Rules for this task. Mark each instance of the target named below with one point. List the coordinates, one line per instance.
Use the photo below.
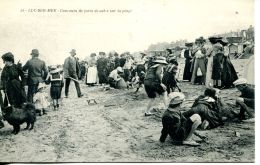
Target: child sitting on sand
(176, 125)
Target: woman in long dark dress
(217, 65)
(12, 82)
(228, 74)
(187, 69)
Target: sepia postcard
(127, 81)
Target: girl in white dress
(92, 70)
(40, 99)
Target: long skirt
(169, 81)
(15, 93)
(187, 70)
(209, 80)
(103, 76)
(228, 75)
(55, 92)
(92, 75)
(199, 63)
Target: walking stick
(8, 103)
(74, 79)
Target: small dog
(17, 116)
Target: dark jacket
(37, 71)
(122, 62)
(174, 124)
(154, 74)
(169, 79)
(249, 96)
(207, 111)
(117, 62)
(217, 66)
(11, 82)
(71, 68)
(102, 64)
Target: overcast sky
(146, 22)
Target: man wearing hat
(71, 72)
(153, 83)
(37, 73)
(176, 125)
(116, 60)
(247, 98)
(102, 64)
(111, 62)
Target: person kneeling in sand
(114, 77)
(247, 98)
(175, 124)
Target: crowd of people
(207, 65)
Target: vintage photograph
(127, 81)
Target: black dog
(17, 116)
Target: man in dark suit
(102, 64)
(37, 73)
(71, 72)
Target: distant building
(233, 40)
(158, 52)
(233, 49)
(250, 33)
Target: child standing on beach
(55, 78)
(40, 99)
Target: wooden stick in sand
(74, 79)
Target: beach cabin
(233, 49)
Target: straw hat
(176, 98)
(189, 44)
(240, 81)
(221, 40)
(57, 70)
(160, 60)
(119, 69)
(200, 40)
(218, 46)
